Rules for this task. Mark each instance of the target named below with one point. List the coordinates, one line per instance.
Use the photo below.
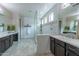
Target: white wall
(51, 28)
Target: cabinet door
(2, 47)
(15, 37)
(7, 42)
(10, 40)
(59, 50)
(71, 50)
(70, 53)
(52, 45)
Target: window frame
(1, 25)
(51, 17)
(48, 19)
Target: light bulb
(65, 5)
(1, 10)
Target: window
(51, 17)
(1, 11)
(1, 27)
(44, 20)
(73, 25)
(48, 18)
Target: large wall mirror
(2, 22)
(69, 26)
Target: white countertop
(74, 42)
(4, 34)
(42, 34)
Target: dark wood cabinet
(71, 53)
(71, 50)
(57, 47)
(11, 40)
(52, 47)
(59, 50)
(5, 43)
(2, 46)
(61, 43)
(15, 37)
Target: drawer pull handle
(72, 49)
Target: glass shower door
(27, 30)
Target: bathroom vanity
(6, 41)
(63, 46)
(58, 45)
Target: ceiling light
(65, 5)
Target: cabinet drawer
(70, 53)
(52, 38)
(60, 42)
(73, 49)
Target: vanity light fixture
(65, 5)
(1, 11)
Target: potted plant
(13, 28)
(66, 28)
(8, 28)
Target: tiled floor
(25, 47)
(21, 48)
(45, 54)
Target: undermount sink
(69, 35)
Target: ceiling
(26, 9)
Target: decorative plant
(8, 28)
(66, 28)
(11, 28)
(74, 27)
